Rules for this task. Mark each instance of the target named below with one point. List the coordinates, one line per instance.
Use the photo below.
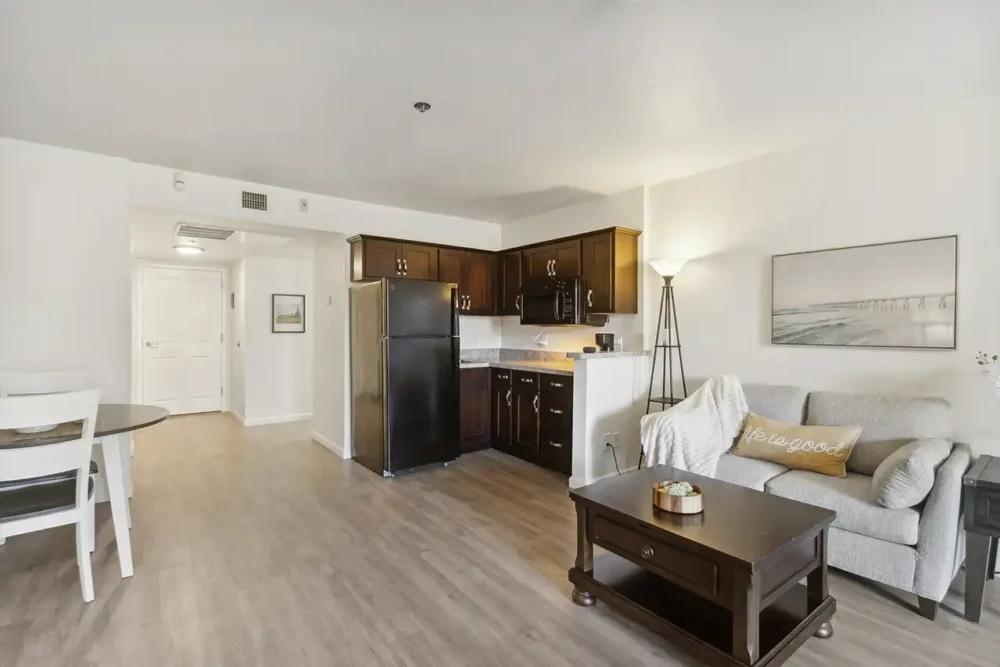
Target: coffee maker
(605, 342)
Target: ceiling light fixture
(422, 107)
(189, 249)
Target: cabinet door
(537, 262)
(501, 400)
(525, 427)
(567, 259)
(479, 282)
(382, 258)
(450, 266)
(508, 283)
(474, 420)
(598, 269)
(555, 441)
(419, 261)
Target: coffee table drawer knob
(646, 552)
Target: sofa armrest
(939, 547)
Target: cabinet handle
(405, 267)
(508, 398)
(534, 403)
(399, 267)
(556, 384)
(553, 267)
(557, 445)
(468, 302)
(590, 297)
(555, 412)
(646, 552)
(517, 303)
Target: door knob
(646, 552)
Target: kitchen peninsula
(556, 409)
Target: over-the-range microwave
(557, 302)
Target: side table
(982, 530)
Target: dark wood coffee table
(723, 584)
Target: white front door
(182, 339)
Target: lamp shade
(667, 267)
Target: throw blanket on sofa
(695, 433)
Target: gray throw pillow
(906, 477)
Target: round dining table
(113, 420)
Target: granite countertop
(606, 355)
(553, 367)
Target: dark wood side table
(982, 530)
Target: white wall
(625, 209)
(278, 367)
(331, 379)
(930, 174)
(65, 268)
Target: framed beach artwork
(288, 313)
(900, 294)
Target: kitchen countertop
(553, 367)
(606, 355)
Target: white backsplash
(569, 339)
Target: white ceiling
(536, 103)
(154, 237)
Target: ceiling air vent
(187, 230)
(255, 201)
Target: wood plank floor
(259, 547)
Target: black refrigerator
(404, 373)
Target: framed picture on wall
(901, 294)
(288, 313)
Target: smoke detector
(422, 107)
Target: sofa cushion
(822, 449)
(783, 403)
(851, 498)
(887, 422)
(751, 473)
(906, 477)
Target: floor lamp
(666, 323)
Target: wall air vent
(188, 230)
(254, 201)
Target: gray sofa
(917, 549)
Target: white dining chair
(46, 381)
(39, 506)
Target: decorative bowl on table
(678, 497)
(36, 429)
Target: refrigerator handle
(454, 312)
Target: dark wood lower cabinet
(501, 403)
(474, 420)
(531, 417)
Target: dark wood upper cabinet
(509, 283)
(479, 282)
(567, 259)
(554, 260)
(419, 261)
(474, 408)
(382, 259)
(450, 265)
(490, 282)
(610, 266)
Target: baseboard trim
(576, 482)
(329, 444)
(280, 419)
(238, 417)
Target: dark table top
(742, 523)
(984, 473)
(112, 418)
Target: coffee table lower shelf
(697, 625)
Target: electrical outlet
(615, 439)
(303, 205)
(607, 440)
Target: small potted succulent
(678, 497)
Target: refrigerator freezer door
(422, 401)
(420, 308)
(368, 417)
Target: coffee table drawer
(686, 568)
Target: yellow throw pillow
(822, 449)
